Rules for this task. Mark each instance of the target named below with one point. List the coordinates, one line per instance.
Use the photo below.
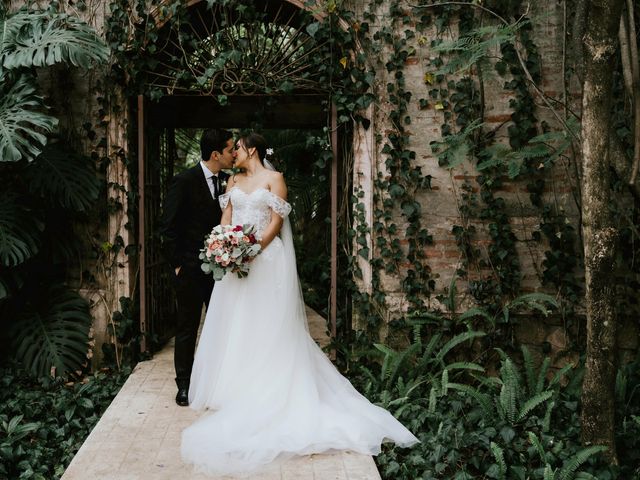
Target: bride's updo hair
(257, 141)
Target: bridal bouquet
(229, 248)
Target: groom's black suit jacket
(189, 214)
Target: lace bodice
(254, 208)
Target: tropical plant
(50, 332)
(43, 423)
(472, 425)
(30, 39)
(47, 187)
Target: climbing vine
(361, 60)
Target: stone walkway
(138, 437)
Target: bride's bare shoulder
(277, 184)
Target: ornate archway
(230, 64)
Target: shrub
(43, 423)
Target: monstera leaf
(19, 231)
(39, 39)
(22, 121)
(65, 178)
(11, 279)
(50, 333)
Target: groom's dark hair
(213, 140)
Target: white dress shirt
(208, 175)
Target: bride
(274, 392)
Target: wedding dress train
(275, 392)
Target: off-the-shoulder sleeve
(280, 206)
(224, 200)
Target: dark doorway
(297, 127)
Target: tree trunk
(599, 231)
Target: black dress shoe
(182, 397)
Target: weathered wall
(76, 98)
(93, 120)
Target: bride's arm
(226, 213)
(279, 188)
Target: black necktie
(216, 191)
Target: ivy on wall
(395, 35)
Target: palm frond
(22, 122)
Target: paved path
(138, 437)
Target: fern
(538, 446)
(549, 474)
(533, 402)
(529, 370)
(508, 398)
(445, 381)
(536, 301)
(484, 400)
(546, 421)
(389, 353)
(577, 460)
(559, 374)
(476, 46)
(432, 400)
(542, 375)
(427, 354)
(454, 149)
(498, 454)
(399, 359)
(455, 341)
(465, 366)
(477, 312)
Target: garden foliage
(519, 423)
(43, 423)
(47, 189)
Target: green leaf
(572, 464)
(33, 39)
(532, 403)
(19, 231)
(52, 331)
(498, 454)
(64, 178)
(458, 339)
(22, 122)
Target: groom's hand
(178, 270)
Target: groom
(191, 210)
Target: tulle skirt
(274, 391)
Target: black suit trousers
(193, 289)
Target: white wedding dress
(275, 392)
